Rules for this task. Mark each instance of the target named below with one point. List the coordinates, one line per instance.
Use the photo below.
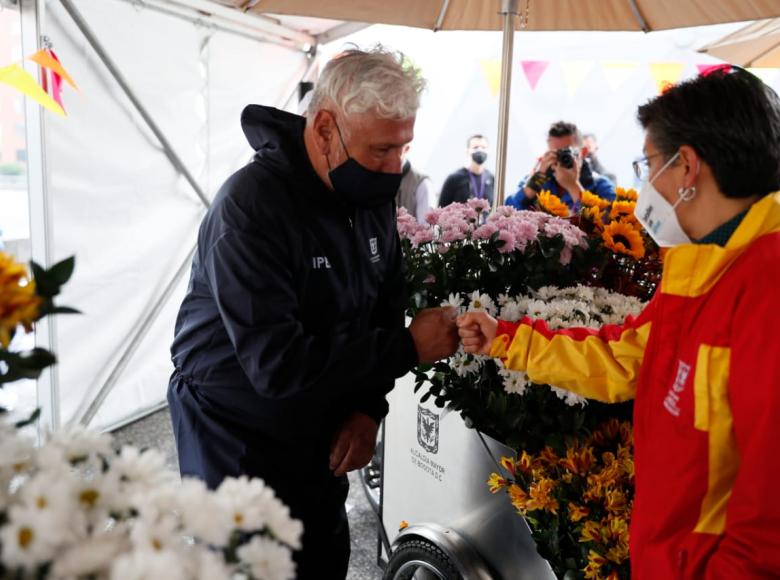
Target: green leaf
(29, 420)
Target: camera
(565, 158)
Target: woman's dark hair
(731, 119)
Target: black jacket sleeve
(249, 274)
(389, 313)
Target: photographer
(563, 170)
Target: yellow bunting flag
(491, 68)
(618, 72)
(16, 77)
(666, 74)
(574, 73)
(46, 60)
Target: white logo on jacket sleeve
(374, 247)
(320, 262)
(672, 399)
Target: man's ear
(323, 129)
(692, 163)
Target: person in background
(591, 145)
(414, 194)
(702, 361)
(562, 171)
(473, 180)
(292, 329)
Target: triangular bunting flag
(665, 74)
(574, 73)
(16, 77)
(534, 69)
(617, 72)
(491, 68)
(47, 59)
(765, 74)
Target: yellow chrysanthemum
(496, 483)
(618, 554)
(622, 238)
(552, 204)
(577, 512)
(594, 201)
(616, 501)
(626, 194)
(18, 302)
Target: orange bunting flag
(47, 59)
(19, 79)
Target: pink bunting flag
(534, 69)
(705, 69)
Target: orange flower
(509, 464)
(622, 238)
(496, 483)
(591, 200)
(595, 215)
(403, 525)
(552, 204)
(591, 532)
(576, 512)
(518, 497)
(616, 501)
(627, 194)
(541, 498)
(18, 301)
(548, 457)
(578, 461)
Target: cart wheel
(420, 559)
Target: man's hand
(435, 334)
(569, 178)
(354, 444)
(546, 161)
(477, 331)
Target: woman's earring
(687, 193)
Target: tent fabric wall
(118, 204)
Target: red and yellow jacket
(703, 363)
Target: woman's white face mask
(658, 216)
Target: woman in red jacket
(703, 360)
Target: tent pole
(120, 79)
(41, 243)
(508, 11)
(135, 340)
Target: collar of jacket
(692, 270)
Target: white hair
(377, 81)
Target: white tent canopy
(127, 207)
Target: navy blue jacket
(294, 314)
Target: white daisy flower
(514, 381)
(150, 565)
(28, 540)
(157, 535)
(210, 566)
(16, 453)
(268, 560)
(91, 556)
(511, 311)
(482, 302)
(140, 472)
(568, 397)
(246, 500)
(51, 495)
(202, 515)
(284, 528)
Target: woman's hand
(477, 331)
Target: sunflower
(18, 300)
(591, 200)
(622, 209)
(623, 238)
(626, 194)
(595, 215)
(552, 204)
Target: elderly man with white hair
(292, 329)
